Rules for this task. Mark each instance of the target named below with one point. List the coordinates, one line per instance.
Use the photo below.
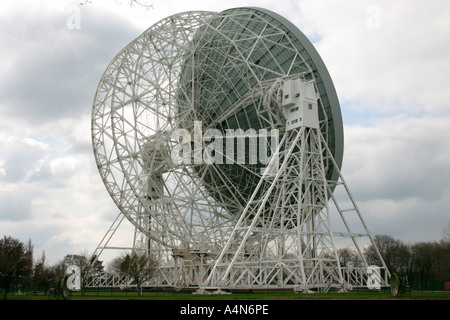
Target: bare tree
(139, 267)
(394, 252)
(43, 276)
(348, 257)
(446, 233)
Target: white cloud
(398, 171)
(64, 167)
(398, 158)
(401, 66)
(394, 93)
(391, 82)
(52, 70)
(21, 157)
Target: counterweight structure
(219, 137)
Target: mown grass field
(281, 295)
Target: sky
(389, 61)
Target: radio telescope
(219, 137)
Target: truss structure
(229, 224)
(284, 237)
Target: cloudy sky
(389, 61)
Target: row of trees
(20, 271)
(16, 263)
(426, 264)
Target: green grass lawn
(277, 295)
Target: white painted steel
(204, 229)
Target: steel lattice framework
(224, 224)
